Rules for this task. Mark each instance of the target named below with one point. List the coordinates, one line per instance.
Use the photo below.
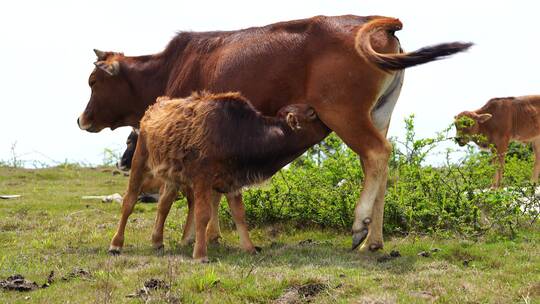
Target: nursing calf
(213, 144)
(498, 122)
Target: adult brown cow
(499, 121)
(348, 68)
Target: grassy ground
(51, 229)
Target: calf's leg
(498, 161)
(239, 216)
(213, 232)
(168, 194)
(203, 198)
(188, 236)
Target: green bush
(321, 189)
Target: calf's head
(298, 116)
(112, 97)
(124, 163)
(467, 125)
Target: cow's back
(270, 65)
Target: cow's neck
(148, 76)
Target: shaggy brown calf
(498, 122)
(150, 193)
(213, 144)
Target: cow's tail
(399, 61)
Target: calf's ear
(112, 68)
(484, 117)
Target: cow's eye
(92, 82)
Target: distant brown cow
(216, 144)
(498, 122)
(348, 68)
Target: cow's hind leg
(168, 194)
(363, 138)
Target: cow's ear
(101, 55)
(112, 68)
(484, 117)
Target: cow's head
(112, 97)
(124, 163)
(468, 126)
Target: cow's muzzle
(86, 126)
(460, 141)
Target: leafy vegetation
(321, 188)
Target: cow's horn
(100, 54)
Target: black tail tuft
(423, 55)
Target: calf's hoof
(257, 249)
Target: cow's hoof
(375, 247)
(257, 249)
(360, 235)
(358, 238)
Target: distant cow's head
(112, 98)
(124, 163)
(468, 126)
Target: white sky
(46, 50)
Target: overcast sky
(46, 50)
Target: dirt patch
(77, 273)
(428, 253)
(148, 287)
(301, 294)
(18, 283)
(425, 295)
(384, 299)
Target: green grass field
(50, 228)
